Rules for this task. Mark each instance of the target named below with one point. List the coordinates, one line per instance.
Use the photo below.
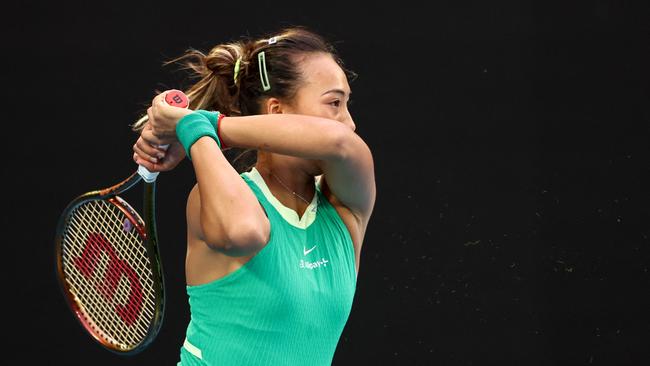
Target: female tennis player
(273, 247)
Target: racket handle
(148, 176)
(174, 98)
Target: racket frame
(146, 228)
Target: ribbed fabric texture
(288, 304)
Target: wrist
(191, 128)
(215, 119)
(201, 144)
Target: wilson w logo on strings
(107, 283)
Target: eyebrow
(337, 91)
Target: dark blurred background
(512, 161)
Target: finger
(158, 100)
(156, 97)
(164, 165)
(147, 164)
(149, 136)
(150, 114)
(147, 152)
(155, 139)
(153, 110)
(150, 150)
(158, 144)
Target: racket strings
(108, 271)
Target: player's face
(325, 92)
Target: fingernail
(161, 155)
(153, 160)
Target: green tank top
(289, 303)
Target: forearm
(288, 134)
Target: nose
(352, 125)
(348, 121)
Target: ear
(273, 106)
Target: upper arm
(351, 176)
(223, 240)
(192, 214)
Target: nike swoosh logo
(307, 251)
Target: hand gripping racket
(108, 264)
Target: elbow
(243, 239)
(246, 241)
(347, 144)
(342, 142)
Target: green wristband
(214, 118)
(211, 116)
(191, 128)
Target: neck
(284, 181)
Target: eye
(336, 103)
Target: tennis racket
(108, 263)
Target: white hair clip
(273, 40)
